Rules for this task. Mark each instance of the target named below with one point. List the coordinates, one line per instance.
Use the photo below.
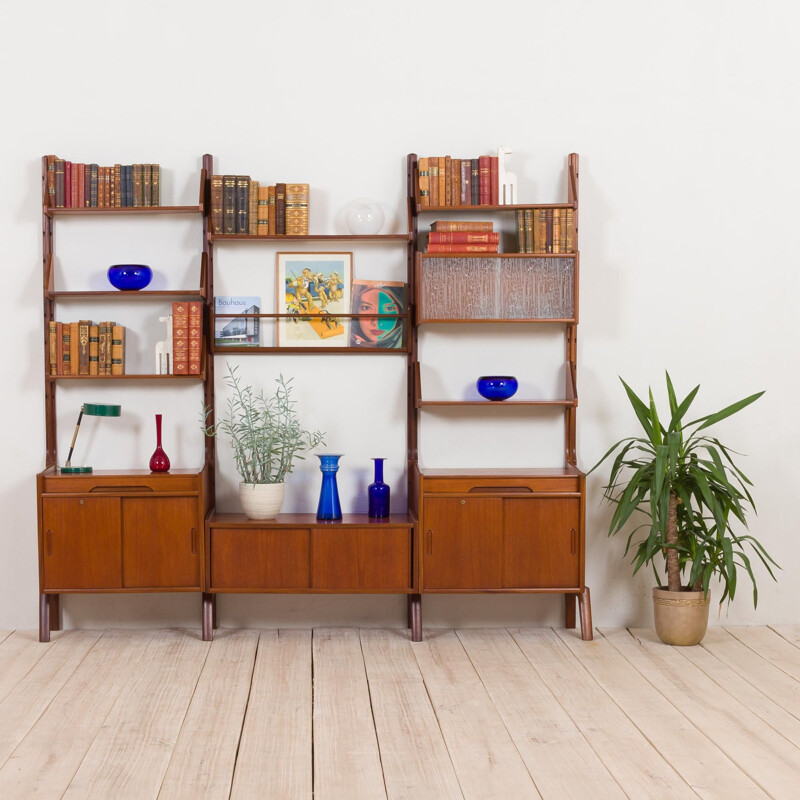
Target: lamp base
(74, 470)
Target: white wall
(684, 115)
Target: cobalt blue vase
(497, 387)
(378, 492)
(329, 507)
(129, 277)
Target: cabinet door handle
(429, 543)
(118, 489)
(194, 541)
(48, 539)
(573, 541)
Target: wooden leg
(44, 618)
(214, 612)
(569, 610)
(585, 606)
(55, 611)
(415, 616)
(208, 616)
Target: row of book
(83, 348)
(446, 181)
(545, 230)
(187, 338)
(73, 185)
(455, 236)
(241, 205)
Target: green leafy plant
(687, 484)
(264, 431)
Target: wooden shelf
(106, 294)
(219, 350)
(144, 377)
(472, 321)
(378, 238)
(559, 403)
(498, 255)
(483, 209)
(565, 471)
(308, 521)
(95, 212)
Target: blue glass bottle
(378, 492)
(329, 507)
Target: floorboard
(770, 646)
(19, 652)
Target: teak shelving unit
(467, 530)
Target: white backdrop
(683, 113)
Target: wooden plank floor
(345, 714)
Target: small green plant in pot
(687, 485)
(266, 437)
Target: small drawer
(512, 485)
(98, 484)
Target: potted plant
(687, 485)
(266, 437)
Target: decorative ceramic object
(130, 277)
(507, 181)
(364, 217)
(680, 618)
(497, 387)
(261, 500)
(329, 507)
(378, 492)
(159, 461)
(164, 349)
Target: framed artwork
(379, 297)
(313, 288)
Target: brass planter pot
(680, 617)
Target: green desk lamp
(93, 410)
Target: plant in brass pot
(694, 498)
(266, 437)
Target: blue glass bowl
(130, 277)
(497, 387)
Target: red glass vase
(159, 461)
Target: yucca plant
(687, 484)
(264, 432)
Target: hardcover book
(118, 350)
(242, 203)
(297, 209)
(216, 204)
(424, 183)
(463, 237)
(94, 350)
(180, 338)
(272, 213)
(155, 185)
(252, 210)
(262, 214)
(231, 329)
(229, 204)
(463, 248)
(379, 297)
(280, 209)
(83, 347)
(461, 225)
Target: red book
(462, 248)
(485, 181)
(494, 180)
(463, 237)
(195, 336)
(180, 338)
(68, 184)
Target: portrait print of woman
(378, 297)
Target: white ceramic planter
(261, 500)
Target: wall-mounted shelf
(378, 238)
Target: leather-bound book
(229, 204)
(52, 348)
(519, 217)
(272, 211)
(466, 182)
(528, 214)
(59, 183)
(540, 230)
(424, 180)
(562, 230)
(570, 236)
(50, 198)
(87, 185)
(455, 182)
(68, 184)
(475, 174)
(147, 184)
(129, 188)
(65, 343)
(216, 204)
(73, 184)
(297, 209)
(112, 188)
(106, 331)
(556, 230)
(109, 183)
(484, 181)
(462, 248)
(280, 209)
(94, 177)
(94, 349)
(494, 177)
(448, 180)
(73, 348)
(83, 347)
(138, 201)
(180, 338)
(118, 350)
(117, 186)
(433, 163)
(79, 171)
(548, 246)
(461, 225)
(195, 336)
(252, 208)
(155, 185)
(242, 203)
(463, 237)
(262, 218)
(59, 349)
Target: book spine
(466, 182)
(548, 248)
(129, 189)
(65, 344)
(138, 175)
(59, 183)
(73, 348)
(262, 228)
(448, 181)
(462, 248)
(528, 214)
(434, 183)
(242, 203)
(252, 210)
(494, 196)
(280, 209)
(155, 185)
(87, 185)
(570, 226)
(60, 349)
(180, 338)
(424, 182)
(73, 187)
(463, 237)
(297, 209)
(216, 204)
(195, 336)
(475, 175)
(109, 182)
(94, 349)
(461, 225)
(147, 184)
(118, 186)
(117, 350)
(442, 182)
(93, 180)
(50, 199)
(83, 347)
(80, 179)
(229, 204)
(455, 182)
(68, 184)
(562, 230)
(519, 216)
(484, 181)
(52, 348)
(540, 230)
(272, 211)
(104, 348)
